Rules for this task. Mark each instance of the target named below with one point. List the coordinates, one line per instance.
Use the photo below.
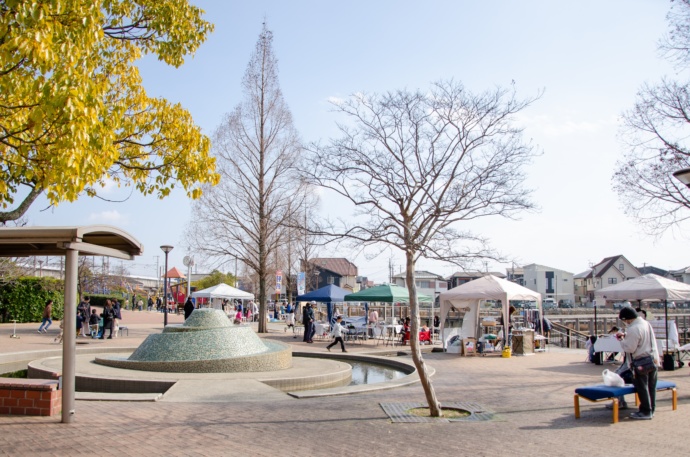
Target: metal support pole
(69, 340)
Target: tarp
(223, 291)
(387, 293)
(647, 287)
(328, 294)
(488, 287)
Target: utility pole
(158, 278)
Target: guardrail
(567, 337)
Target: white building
(549, 282)
(428, 283)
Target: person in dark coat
(308, 321)
(188, 307)
(108, 316)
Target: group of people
(88, 319)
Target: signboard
(279, 281)
(301, 283)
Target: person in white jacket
(337, 333)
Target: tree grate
(397, 412)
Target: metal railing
(567, 337)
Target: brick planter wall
(30, 397)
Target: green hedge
(99, 300)
(24, 299)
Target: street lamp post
(165, 248)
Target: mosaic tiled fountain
(207, 342)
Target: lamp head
(166, 248)
(683, 176)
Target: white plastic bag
(612, 379)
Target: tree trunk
(432, 401)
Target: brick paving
(532, 396)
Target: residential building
(682, 275)
(645, 270)
(428, 283)
(550, 282)
(610, 271)
(515, 274)
(335, 270)
(461, 277)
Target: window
(331, 280)
(424, 284)
(621, 266)
(612, 280)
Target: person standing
(84, 309)
(47, 317)
(108, 315)
(373, 317)
(188, 307)
(638, 340)
(149, 304)
(290, 318)
(118, 317)
(255, 309)
(337, 333)
(308, 321)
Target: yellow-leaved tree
(73, 112)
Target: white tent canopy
(647, 287)
(488, 287)
(223, 291)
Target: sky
(588, 57)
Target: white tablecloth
(321, 329)
(607, 343)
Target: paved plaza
(532, 397)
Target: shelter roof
(88, 240)
(338, 265)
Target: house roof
(608, 263)
(420, 274)
(476, 274)
(338, 265)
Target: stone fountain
(207, 342)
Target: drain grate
(397, 412)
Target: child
(93, 323)
(337, 332)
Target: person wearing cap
(308, 321)
(638, 340)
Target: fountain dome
(207, 342)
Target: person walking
(337, 333)
(47, 317)
(638, 340)
(108, 315)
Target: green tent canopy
(387, 293)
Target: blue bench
(602, 392)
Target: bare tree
(655, 135)
(258, 152)
(415, 165)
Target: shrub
(24, 299)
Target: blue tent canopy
(328, 294)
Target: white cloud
(109, 217)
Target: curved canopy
(327, 294)
(647, 287)
(223, 291)
(387, 293)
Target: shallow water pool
(372, 373)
